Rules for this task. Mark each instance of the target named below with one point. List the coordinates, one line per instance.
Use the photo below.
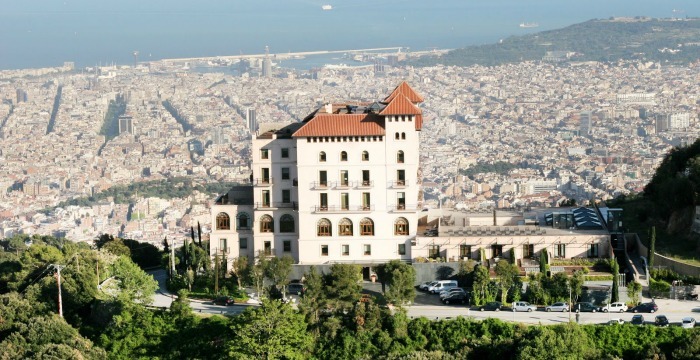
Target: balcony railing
(276, 205)
(263, 181)
(342, 209)
(365, 184)
(397, 184)
(319, 185)
(342, 184)
(403, 208)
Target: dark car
(492, 306)
(646, 307)
(456, 297)
(661, 321)
(585, 307)
(637, 320)
(224, 300)
(296, 289)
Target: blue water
(40, 33)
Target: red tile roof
(407, 91)
(401, 105)
(342, 125)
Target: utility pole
(58, 281)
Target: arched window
(343, 156)
(223, 221)
(365, 156)
(366, 226)
(243, 221)
(287, 223)
(403, 136)
(401, 226)
(322, 156)
(345, 227)
(399, 157)
(396, 136)
(323, 227)
(267, 224)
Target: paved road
(429, 306)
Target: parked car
(492, 306)
(615, 307)
(585, 307)
(224, 300)
(616, 322)
(442, 285)
(524, 306)
(424, 286)
(661, 321)
(688, 323)
(560, 306)
(446, 293)
(646, 307)
(296, 289)
(637, 320)
(456, 297)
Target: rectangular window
(560, 251)
(368, 249)
(223, 246)
(264, 154)
(265, 175)
(343, 178)
(365, 178)
(528, 250)
(401, 200)
(496, 251)
(243, 243)
(287, 245)
(285, 153)
(401, 177)
(267, 248)
(434, 251)
(365, 201)
(465, 251)
(345, 250)
(323, 178)
(286, 196)
(266, 198)
(323, 201)
(344, 201)
(285, 173)
(324, 250)
(593, 250)
(402, 249)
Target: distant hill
(675, 41)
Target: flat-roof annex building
(343, 185)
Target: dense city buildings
(503, 137)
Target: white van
(442, 285)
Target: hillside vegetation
(658, 40)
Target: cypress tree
(615, 267)
(199, 233)
(652, 247)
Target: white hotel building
(341, 186)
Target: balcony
(342, 184)
(319, 185)
(364, 184)
(276, 205)
(403, 208)
(342, 209)
(398, 184)
(263, 182)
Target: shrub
(659, 288)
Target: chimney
(329, 108)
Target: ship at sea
(529, 25)
(327, 7)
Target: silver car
(560, 306)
